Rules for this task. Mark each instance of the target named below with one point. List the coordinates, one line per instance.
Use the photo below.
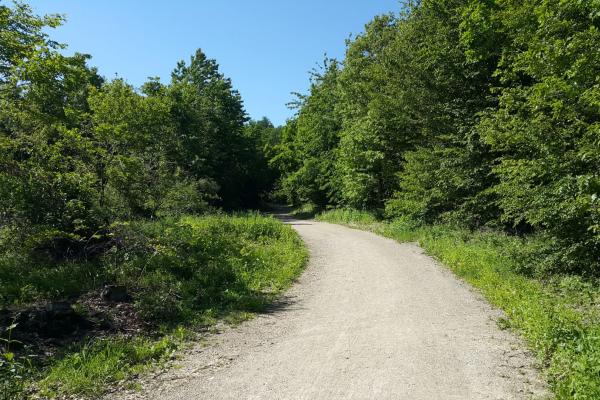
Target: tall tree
(314, 141)
(45, 174)
(210, 119)
(368, 153)
(443, 91)
(547, 128)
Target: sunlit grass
(89, 369)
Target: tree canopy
(482, 113)
(78, 152)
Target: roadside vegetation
(187, 273)
(181, 275)
(559, 316)
(122, 230)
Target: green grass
(93, 366)
(200, 268)
(185, 272)
(305, 211)
(349, 217)
(559, 316)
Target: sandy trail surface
(369, 319)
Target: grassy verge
(181, 274)
(305, 211)
(559, 316)
(95, 365)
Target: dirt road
(369, 319)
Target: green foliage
(176, 268)
(184, 271)
(444, 183)
(14, 368)
(181, 271)
(348, 216)
(481, 113)
(546, 127)
(21, 34)
(448, 174)
(559, 319)
(370, 149)
(211, 142)
(306, 152)
(470, 113)
(45, 176)
(96, 181)
(180, 268)
(78, 153)
(305, 211)
(265, 138)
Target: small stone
(116, 294)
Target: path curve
(369, 319)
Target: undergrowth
(181, 273)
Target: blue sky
(265, 46)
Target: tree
(546, 126)
(264, 137)
(209, 118)
(447, 175)
(312, 141)
(22, 35)
(369, 152)
(45, 148)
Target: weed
(14, 369)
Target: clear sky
(266, 47)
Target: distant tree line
(484, 113)
(78, 152)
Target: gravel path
(369, 319)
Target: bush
(174, 267)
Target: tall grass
(349, 216)
(206, 266)
(87, 370)
(559, 316)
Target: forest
(479, 113)
(478, 119)
(473, 128)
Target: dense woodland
(480, 113)
(79, 152)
